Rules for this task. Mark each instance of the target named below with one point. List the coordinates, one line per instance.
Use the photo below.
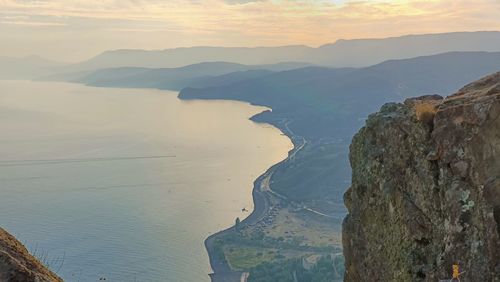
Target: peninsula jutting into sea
(301, 141)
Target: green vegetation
(326, 269)
(259, 240)
(319, 169)
(237, 223)
(219, 249)
(242, 258)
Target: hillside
(17, 265)
(198, 75)
(425, 191)
(339, 90)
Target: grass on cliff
(425, 112)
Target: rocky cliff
(426, 189)
(17, 265)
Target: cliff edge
(18, 265)
(425, 189)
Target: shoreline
(257, 198)
(221, 271)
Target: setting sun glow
(156, 24)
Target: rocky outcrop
(17, 265)
(426, 189)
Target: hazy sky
(71, 30)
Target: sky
(73, 30)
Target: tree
(237, 223)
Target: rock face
(426, 189)
(17, 265)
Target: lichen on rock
(425, 189)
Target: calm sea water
(125, 183)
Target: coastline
(262, 198)
(221, 271)
(283, 152)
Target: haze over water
(124, 183)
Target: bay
(125, 184)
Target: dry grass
(425, 111)
(17, 264)
(289, 227)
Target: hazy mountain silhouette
(355, 92)
(200, 75)
(364, 52)
(173, 58)
(233, 77)
(343, 53)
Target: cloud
(237, 22)
(288, 15)
(235, 2)
(30, 23)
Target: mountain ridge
(338, 54)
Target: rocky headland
(425, 191)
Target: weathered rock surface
(18, 265)
(426, 189)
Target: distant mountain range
(343, 53)
(323, 93)
(353, 93)
(199, 75)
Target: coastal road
(300, 147)
(265, 185)
(263, 198)
(262, 204)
